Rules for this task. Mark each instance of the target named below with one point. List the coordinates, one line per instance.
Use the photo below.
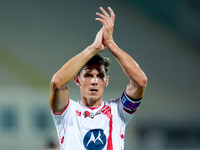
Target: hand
(98, 42)
(108, 25)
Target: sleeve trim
(62, 111)
(130, 112)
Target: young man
(91, 123)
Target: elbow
(56, 82)
(143, 82)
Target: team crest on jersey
(91, 115)
(95, 139)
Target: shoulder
(74, 104)
(113, 101)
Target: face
(92, 81)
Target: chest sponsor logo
(95, 139)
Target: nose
(94, 80)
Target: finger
(100, 15)
(104, 12)
(112, 14)
(109, 19)
(104, 23)
(105, 19)
(99, 19)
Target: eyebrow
(90, 69)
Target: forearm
(59, 95)
(137, 77)
(71, 68)
(129, 65)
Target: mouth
(93, 91)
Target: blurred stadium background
(38, 36)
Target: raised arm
(59, 95)
(138, 79)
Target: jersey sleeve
(130, 105)
(127, 107)
(59, 118)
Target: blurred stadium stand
(38, 37)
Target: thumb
(98, 38)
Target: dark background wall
(38, 37)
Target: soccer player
(91, 123)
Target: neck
(91, 103)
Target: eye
(88, 75)
(100, 75)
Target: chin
(94, 99)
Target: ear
(107, 80)
(76, 79)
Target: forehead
(90, 68)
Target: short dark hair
(97, 60)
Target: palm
(98, 42)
